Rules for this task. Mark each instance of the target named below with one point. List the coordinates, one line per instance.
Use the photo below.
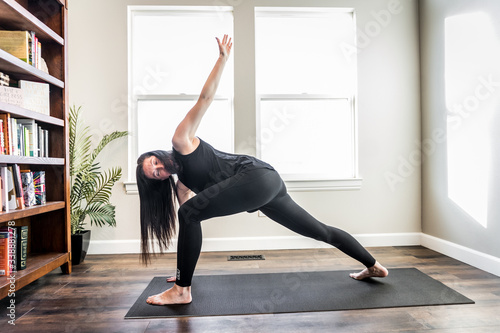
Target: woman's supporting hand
(224, 46)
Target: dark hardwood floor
(100, 291)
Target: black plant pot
(79, 246)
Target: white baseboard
(472, 257)
(258, 243)
(469, 256)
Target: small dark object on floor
(247, 257)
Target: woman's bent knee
(188, 214)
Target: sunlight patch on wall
(472, 53)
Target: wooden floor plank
(100, 291)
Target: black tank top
(206, 166)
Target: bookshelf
(49, 240)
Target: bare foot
(376, 270)
(174, 295)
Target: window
(168, 65)
(305, 86)
(305, 89)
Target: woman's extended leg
(286, 212)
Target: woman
(224, 184)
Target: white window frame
(133, 100)
(310, 182)
(316, 182)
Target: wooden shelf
(31, 211)
(49, 225)
(24, 71)
(14, 159)
(19, 112)
(37, 266)
(13, 16)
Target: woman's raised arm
(184, 140)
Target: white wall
(389, 122)
(473, 132)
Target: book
(30, 137)
(28, 188)
(41, 148)
(16, 43)
(2, 139)
(46, 143)
(14, 137)
(16, 173)
(4, 254)
(11, 248)
(5, 192)
(39, 55)
(11, 95)
(5, 117)
(39, 183)
(4, 79)
(21, 247)
(36, 96)
(11, 190)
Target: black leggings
(259, 189)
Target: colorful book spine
(5, 117)
(2, 139)
(4, 253)
(39, 182)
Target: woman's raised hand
(225, 46)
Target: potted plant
(90, 186)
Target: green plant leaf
(79, 142)
(101, 185)
(101, 214)
(104, 142)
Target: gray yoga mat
(220, 295)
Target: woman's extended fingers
(171, 279)
(225, 45)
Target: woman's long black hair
(157, 204)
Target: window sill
(294, 185)
(324, 185)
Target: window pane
(308, 137)
(158, 119)
(300, 53)
(173, 52)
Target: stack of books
(4, 80)
(23, 45)
(22, 137)
(21, 188)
